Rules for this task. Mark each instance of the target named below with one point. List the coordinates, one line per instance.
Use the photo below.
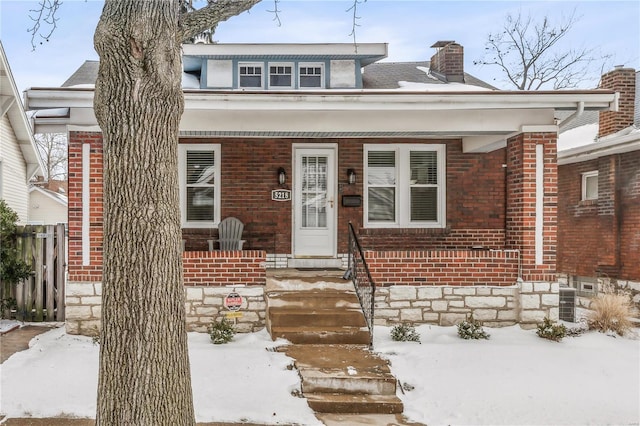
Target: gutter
(577, 113)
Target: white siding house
(19, 161)
(46, 207)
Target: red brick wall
(93, 271)
(443, 267)
(221, 268)
(600, 237)
(623, 81)
(629, 189)
(476, 187)
(521, 203)
(474, 218)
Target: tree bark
(144, 363)
(144, 374)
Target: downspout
(577, 113)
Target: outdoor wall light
(351, 176)
(282, 176)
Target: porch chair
(229, 234)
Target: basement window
(590, 185)
(585, 286)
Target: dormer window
(280, 76)
(311, 76)
(250, 76)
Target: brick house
(449, 184)
(599, 194)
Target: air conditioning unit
(567, 304)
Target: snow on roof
(449, 87)
(578, 136)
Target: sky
(513, 378)
(409, 27)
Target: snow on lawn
(239, 381)
(516, 377)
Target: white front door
(314, 227)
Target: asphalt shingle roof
(386, 75)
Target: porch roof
(483, 119)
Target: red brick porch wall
(443, 267)
(222, 268)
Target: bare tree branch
(276, 11)
(354, 8)
(52, 148)
(45, 15)
(528, 54)
(194, 22)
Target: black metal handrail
(358, 273)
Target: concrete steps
(322, 335)
(324, 321)
(360, 404)
(345, 379)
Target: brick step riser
(282, 318)
(349, 385)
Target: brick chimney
(448, 61)
(623, 81)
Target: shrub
(221, 331)
(610, 312)
(551, 331)
(404, 333)
(12, 267)
(471, 329)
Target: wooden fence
(41, 296)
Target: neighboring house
(46, 207)
(599, 193)
(19, 161)
(449, 184)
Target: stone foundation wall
(203, 305)
(526, 303)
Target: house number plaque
(281, 195)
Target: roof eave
(43, 98)
(617, 145)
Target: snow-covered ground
(513, 378)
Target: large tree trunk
(144, 364)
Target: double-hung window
(250, 75)
(280, 76)
(405, 186)
(199, 174)
(310, 76)
(590, 185)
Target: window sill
(588, 203)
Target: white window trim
(182, 165)
(403, 192)
(585, 176)
(312, 65)
(281, 64)
(251, 64)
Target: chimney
(448, 61)
(623, 81)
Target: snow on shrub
(471, 329)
